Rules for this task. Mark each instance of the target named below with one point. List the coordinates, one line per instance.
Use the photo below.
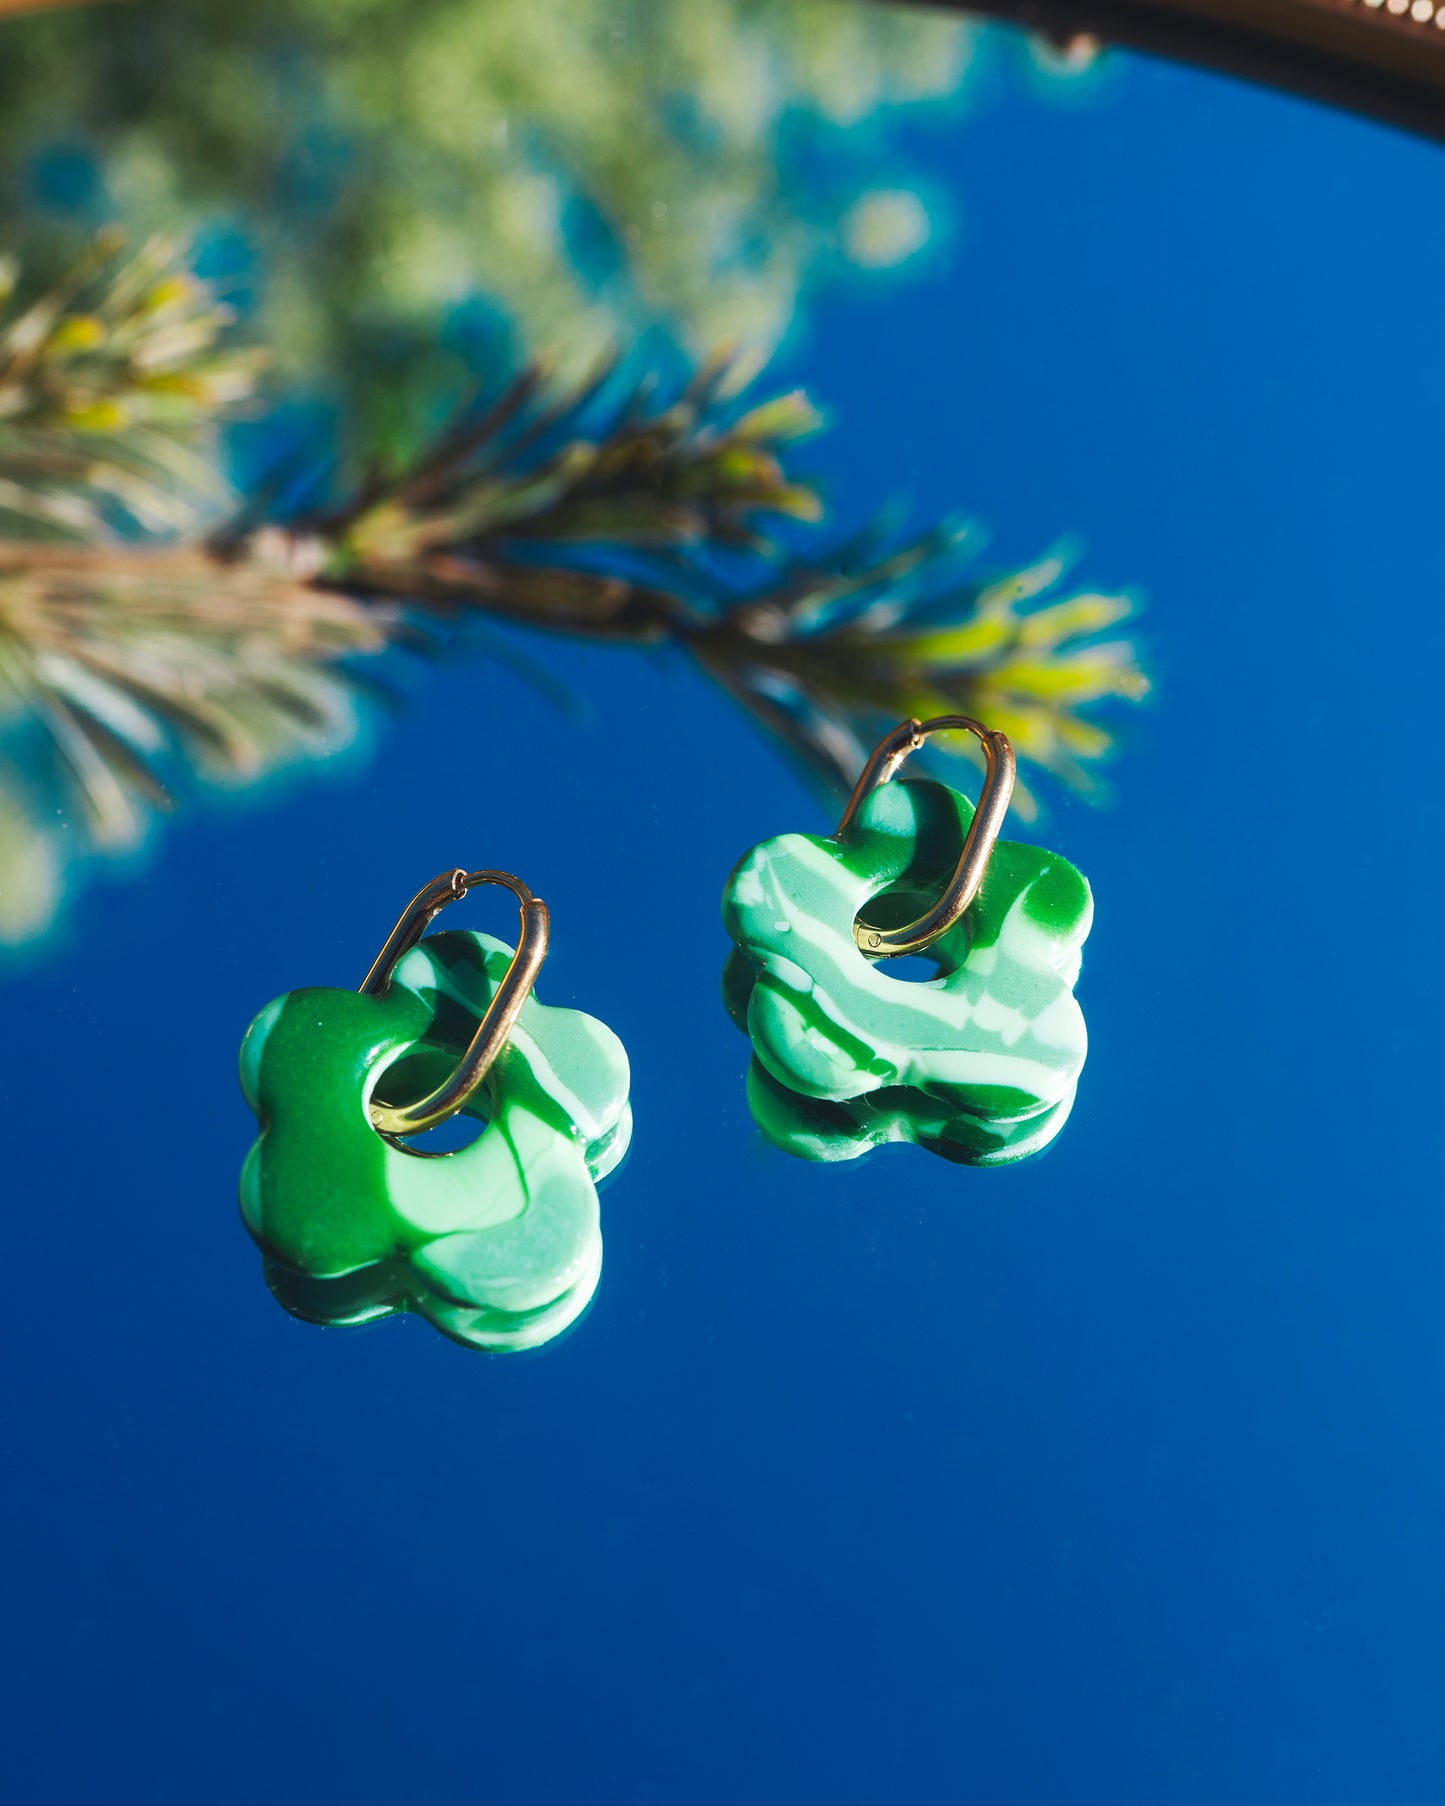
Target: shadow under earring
(498, 1243)
(978, 1063)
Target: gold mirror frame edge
(1362, 57)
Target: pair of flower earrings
(499, 1243)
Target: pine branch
(111, 386)
(614, 512)
(833, 655)
(572, 512)
(120, 664)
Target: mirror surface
(1112, 1475)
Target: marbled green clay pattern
(978, 1064)
(498, 1244)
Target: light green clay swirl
(499, 1243)
(980, 1063)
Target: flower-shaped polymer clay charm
(498, 1244)
(978, 1064)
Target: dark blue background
(1118, 1478)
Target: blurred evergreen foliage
(585, 169)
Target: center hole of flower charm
(891, 909)
(912, 968)
(416, 1074)
(448, 1137)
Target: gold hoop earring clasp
(502, 1012)
(988, 818)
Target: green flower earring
(498, 1244)
(978, 1064)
